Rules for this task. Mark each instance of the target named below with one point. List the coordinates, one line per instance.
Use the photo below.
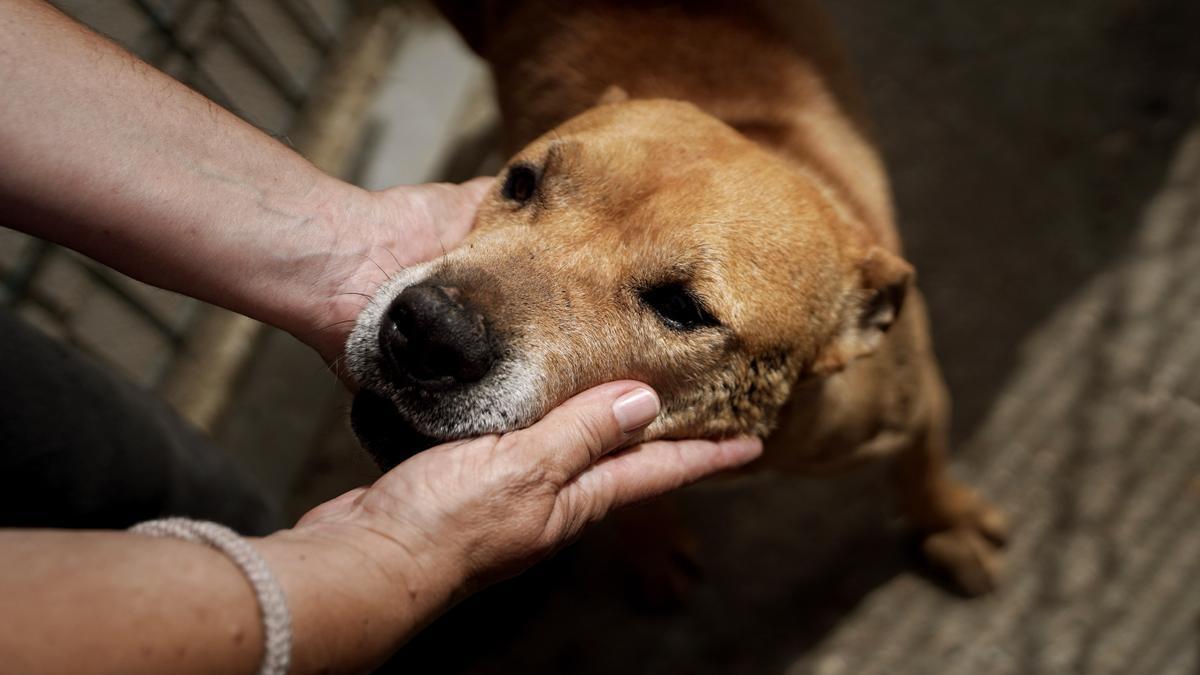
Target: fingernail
(743, 450)
(635, 409)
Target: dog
(693, 201)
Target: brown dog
(696, 206)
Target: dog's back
(789, 90)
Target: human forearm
(114, 602)
(106, 155)
(357, 596)
(122, 603)
(362, 572)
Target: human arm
(104, 154)
(363, 572)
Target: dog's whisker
(336, 365)
(401, 266)
(377, 265)
(332, 325)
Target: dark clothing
(82, 448)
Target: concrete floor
(1031, 147)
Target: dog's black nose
(431, 338)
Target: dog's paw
(968, 550)
(970, 560)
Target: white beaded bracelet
(272, 604)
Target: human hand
(493, 505)
(464, 514)
(379, 235)
(196, 201)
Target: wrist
(356, 595)
(361, 236)
(371, 237)
(314, 266)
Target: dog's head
(642, 240)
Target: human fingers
(451, 207)
(477, 188)
(574, 435)
(651, 469)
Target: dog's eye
(521, 183)
(678, 307)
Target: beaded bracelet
(272, 604)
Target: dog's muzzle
(431, 344)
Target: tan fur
(706, 145)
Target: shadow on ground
(768, 592)
(1024, 139)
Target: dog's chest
(862, 413)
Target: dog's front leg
(961, 531)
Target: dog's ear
(871, 308)
(613, 94)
